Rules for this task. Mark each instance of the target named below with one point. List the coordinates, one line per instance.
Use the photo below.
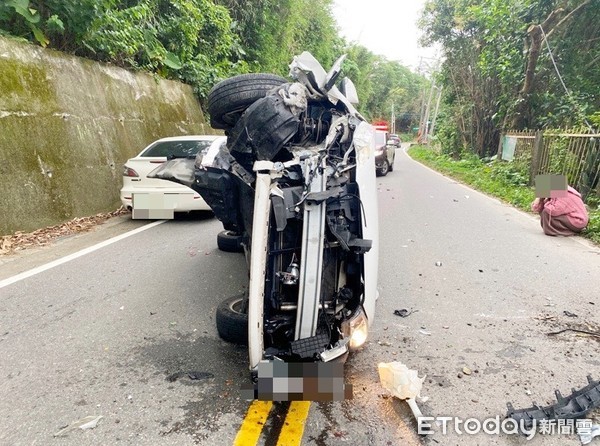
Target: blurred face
(550, 186)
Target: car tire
(384, 169)
(232, 322)
(229, 241)
(228, 99)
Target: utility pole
(393, 120)
(425, 131)
(423, 94)
(422, 115)
(435, 113)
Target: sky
(386, 27)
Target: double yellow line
(256, 417)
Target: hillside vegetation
(513, 64)
(200, 42)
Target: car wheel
(384, 169)
(229, 241)
(228, 99)
(232, 320)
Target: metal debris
(88, 422)
(587, 436)
(195, 375)
(576, 330)
(403, 312)
(192, 374)
(576, 405)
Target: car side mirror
(334, 72)
(349, 90)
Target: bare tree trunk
(536, 38)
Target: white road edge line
(75, 255)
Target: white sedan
(153, 198)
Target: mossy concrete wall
(68, 124)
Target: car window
(178, 149)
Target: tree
(203, 41)
(273, 31)
(471, 86)
(536, 35)
(498, 72)
(381, 83)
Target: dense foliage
(189, 40)
(383, 85)
(498, 72)
(272, 31)
(202, 41)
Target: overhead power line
(560, 78)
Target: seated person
(561, 209)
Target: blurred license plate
(153, 206)
(309, 381)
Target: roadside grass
(506, 181)
(406, 137)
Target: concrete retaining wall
(68, 124)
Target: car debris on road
(403, 383)
(88, 422)
(576, 405)
(404, 312)
(588, 436)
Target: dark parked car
(384, 154)
(394, 140)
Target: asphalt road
(114, 332)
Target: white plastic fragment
(88, 422)
(402, 382)
(92, 423)
(588, 436)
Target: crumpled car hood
(178, 170)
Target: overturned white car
(295, 189)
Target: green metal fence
(573, 153)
